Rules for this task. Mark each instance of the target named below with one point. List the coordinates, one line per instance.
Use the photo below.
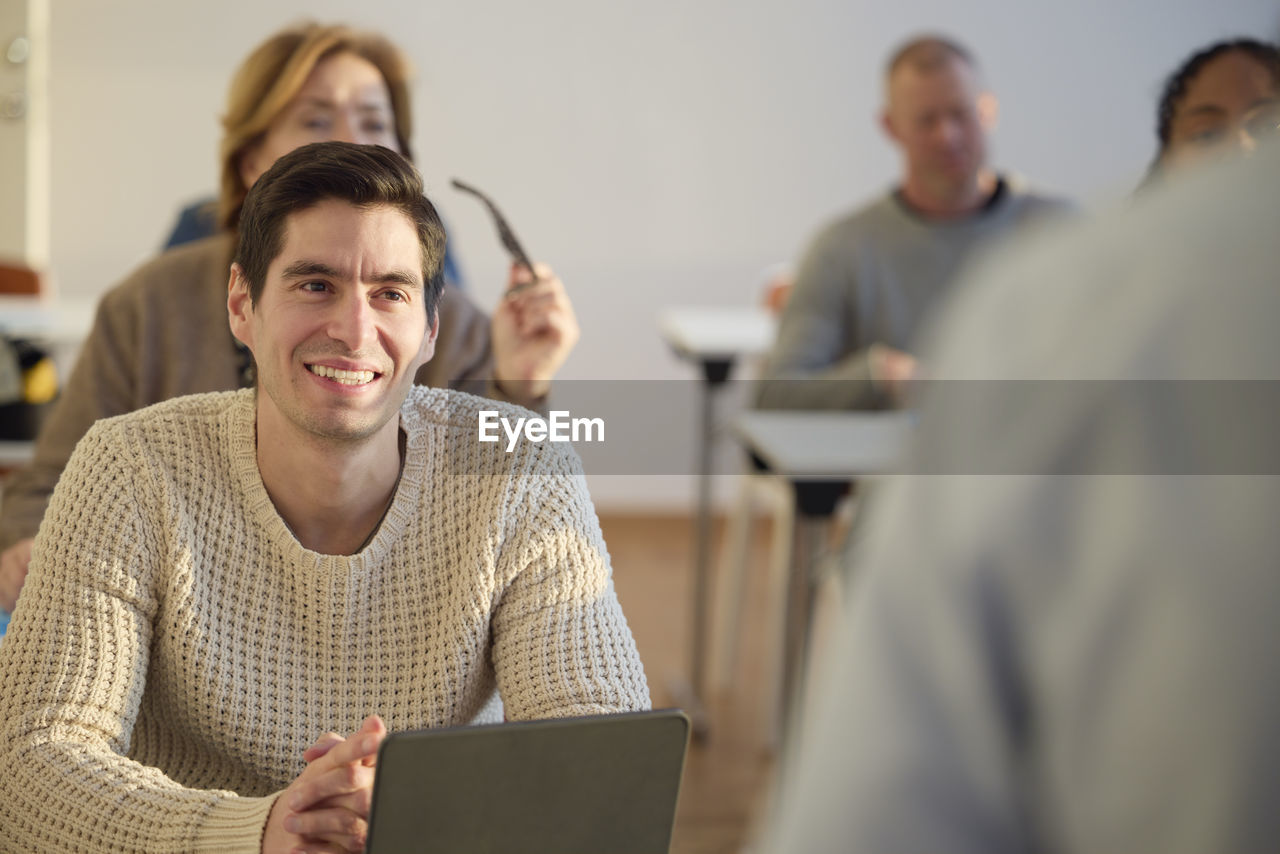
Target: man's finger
(364, 742)
(334, 782)
(358, 802)
(323, 745)
(320, 847)
(338, 826)
(346, 767)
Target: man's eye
(393, 296)
(314, 287)
(1207, 136)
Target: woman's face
(1213, 116)
(345, 98)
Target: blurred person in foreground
(163, 331)
(868, 279)
(1079, 656)
(1217, 102)
(225, 581)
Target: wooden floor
(727, 774)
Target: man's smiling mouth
(341, 376)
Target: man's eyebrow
(1203, 110)
(301, 269)
(397, 277)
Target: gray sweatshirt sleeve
(815, 363)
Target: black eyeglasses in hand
(505, 234)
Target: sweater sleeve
(101, 385)
(561, 645)
(814, 363)
(74, 666)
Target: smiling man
(339, 318)
(226, 581)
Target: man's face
(345, 99)
(340, 328)
(1212, 116)
(939, 117)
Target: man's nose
(352, 323)
(948, 132)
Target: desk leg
(689, 696)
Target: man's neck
(953, 202)
(332, 495)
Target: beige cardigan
(176, 649)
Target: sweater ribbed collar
(240, 435)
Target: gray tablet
(607, 783)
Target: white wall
(654, 152)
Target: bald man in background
(869, 278)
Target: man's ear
(240, 307)
(428, 348)
(886, 125)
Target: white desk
(703, 333)
(60, 321)
(714, 337)
(814, 450)
(15, 454)
(825, 445)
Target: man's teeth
(344, 377)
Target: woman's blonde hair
(274, 74)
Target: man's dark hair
(363, 175)
(1175, 88)
(928, 53)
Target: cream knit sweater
(176, 649)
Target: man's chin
(346, 426)
(959, 173)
